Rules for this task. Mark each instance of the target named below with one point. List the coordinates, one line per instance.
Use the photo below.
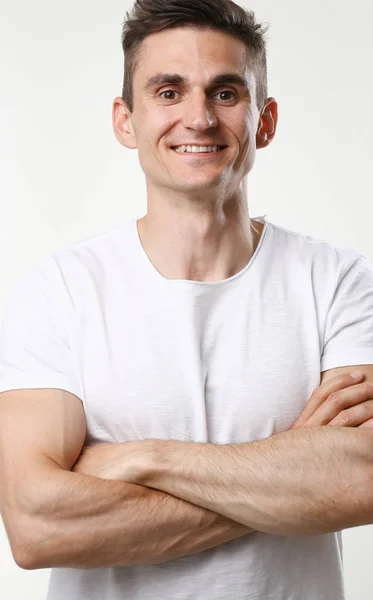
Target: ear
(122, 124)
(267, 123)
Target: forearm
(300, 482)
(86, 522)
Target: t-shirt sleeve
(35, 348)
(348, 338)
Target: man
(155, 439)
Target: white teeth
(197, 148)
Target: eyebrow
(175, 79)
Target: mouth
(183, 151)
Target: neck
(199, 247)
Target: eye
(222, 92)
(228, 92)
(168, 92)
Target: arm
(58, 518)
(101, 523)
(299, 482)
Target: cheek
(247, 139)
(241, 124)
(155, 132)
(249, 134)
(157, 121)
(146, 156)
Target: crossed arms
(146, 502)
(300, 482)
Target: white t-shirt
(229, 361)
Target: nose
(199, 113)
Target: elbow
(26, 533)
(24, 545)
(37, 548)
(25, 560)
(25, 553)
(22, 552)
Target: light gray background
(64, 177)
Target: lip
(199, 154)
(195, 144)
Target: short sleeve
(348, 338)
(34, 340)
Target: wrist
(130, 463)
(167, 463)
(155, 462)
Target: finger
(340, 401)
(321, 393)
(354, 416)
(368, 424)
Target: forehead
(188, 50)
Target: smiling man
(151, 376)
(199, 114)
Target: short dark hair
(150, 16)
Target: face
(194, 107)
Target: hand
(123, 461)
(340, 402)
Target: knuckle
(333, 398)
(368, 389)
(367, 409)
(318, 393)
(344, 418)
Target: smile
(186, 151)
